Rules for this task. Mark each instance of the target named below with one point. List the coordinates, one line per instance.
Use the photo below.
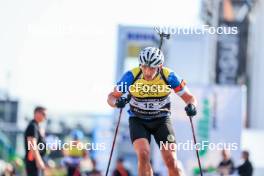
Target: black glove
(121, 102)
(190, 110)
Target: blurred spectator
(35, 146)
(9, 170)
(94, 171)
(246, 168)
(74, 154)
(226, 166)
(86, 164)
(120, 169)
(19, 166)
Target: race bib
(149, 104)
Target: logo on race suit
(170, 138)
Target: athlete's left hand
(190, 110)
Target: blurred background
(68, 55)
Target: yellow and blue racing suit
(150, 99)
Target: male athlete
(149, 86)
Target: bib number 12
(149, 105)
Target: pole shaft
(113, 144)
(197, 152)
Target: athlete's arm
(188, 98)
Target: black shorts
(160, 128)
(32, 169)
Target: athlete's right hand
(121, 102)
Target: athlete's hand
(121, 102)
(190, 110)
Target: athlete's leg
(140, 138)
(170, 159)
(165, 138)
(142, 149)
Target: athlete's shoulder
(129, 76)
(169, 73)
(166, 71)
(172, 78)
(132, 72)
(135, 71)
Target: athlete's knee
(143, 155)
(171, 162)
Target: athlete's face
(149, 73)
